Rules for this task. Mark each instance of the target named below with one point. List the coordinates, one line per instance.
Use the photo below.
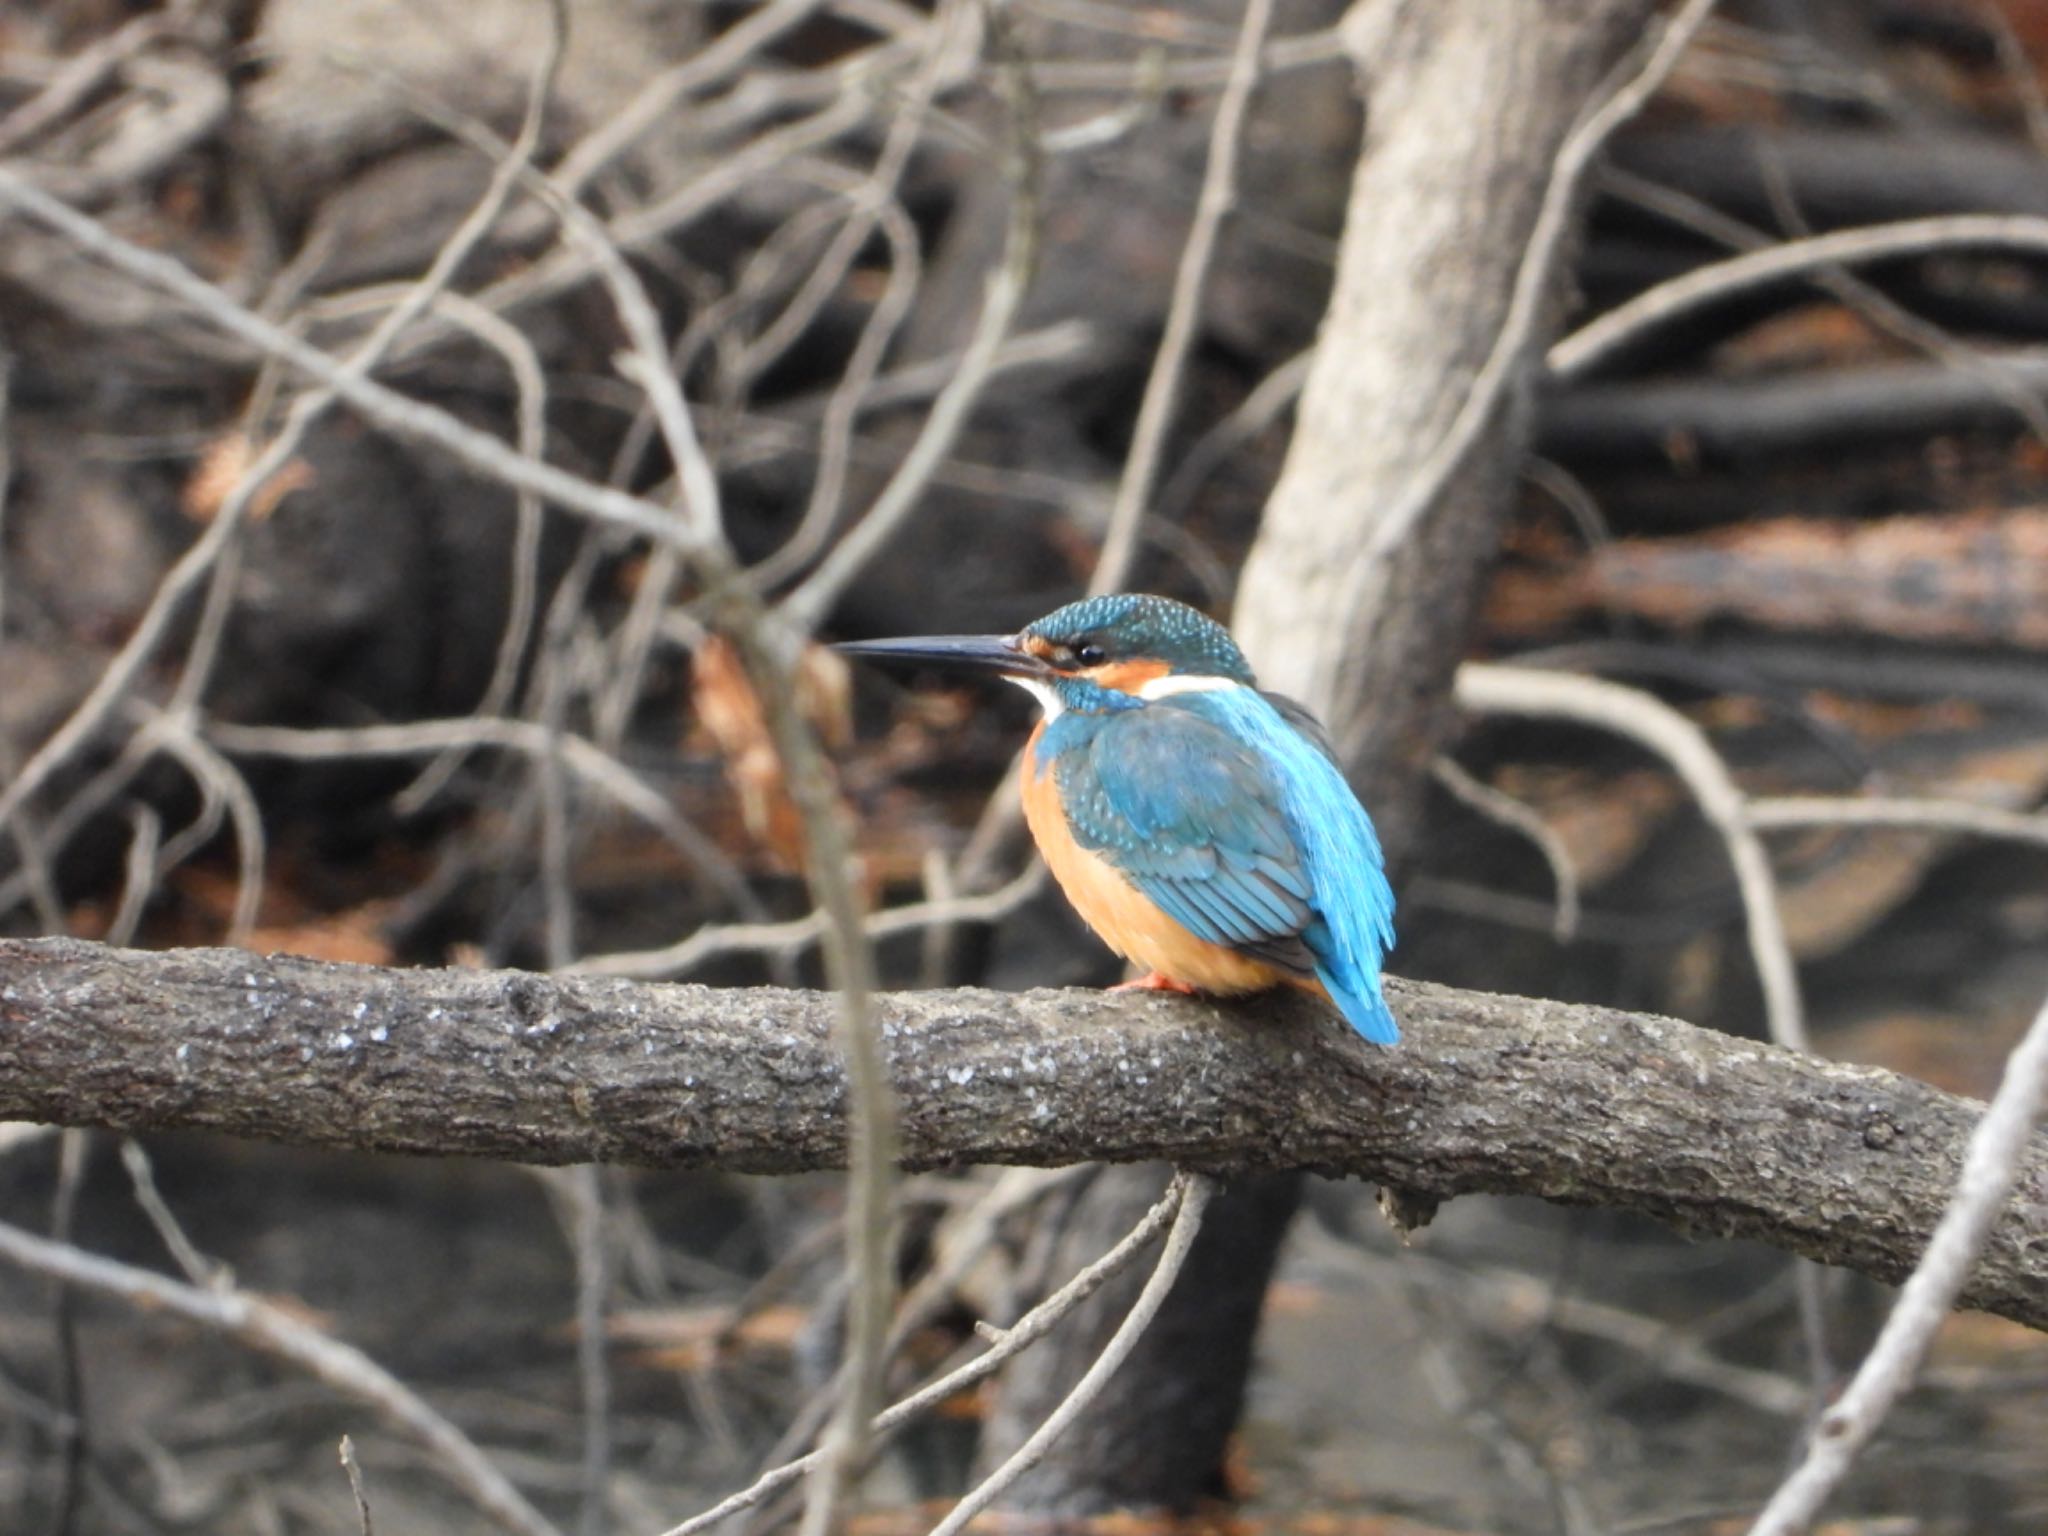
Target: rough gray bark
(1715, 1135)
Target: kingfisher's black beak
(1002, 654)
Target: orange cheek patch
(1127, 676)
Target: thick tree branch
(1715, 1135)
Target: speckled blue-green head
(1126, 627)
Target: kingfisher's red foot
(1154, 981)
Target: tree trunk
(1469, 102)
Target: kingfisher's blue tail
(1362, 1005)
(1340, 853)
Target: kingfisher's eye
(1089, 654)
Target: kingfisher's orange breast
(1124, 917)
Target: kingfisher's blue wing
(1354, 906)
(1193, 819)
(1243, 831)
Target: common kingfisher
(1200, 826)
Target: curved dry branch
(273, 1329)
(1995, 1160)
(1715, 1135)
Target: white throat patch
(1167, 687)
(1042, 691)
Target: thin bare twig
(31, 855)
(1270, 399)
(1493, 689)
(420, 738)
(807, 606)
(348, 380)
(1505, 810)
(710, 942)
(1916, 815)
(1199, 72)
(37, 878)
(1651, 723)
(219, 780)
(80, 76)
(74, 1149)
(6, 469)
(1184, 311)
(581, 1190)
(1989, 1169)
(967, 1237)
(355, 1487)
(850, 396)
(1026, 1331)
(1063, 343)
(404, 417)
(1187, 1225)
(273, 1330)
(551, 790)
(138, 881)
(200, 1270)
(1592, 344)
(1673, 1353)
(660, 97)
(92, 797)
(2020, 74)
(529, 382)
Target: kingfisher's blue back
(1238, 825)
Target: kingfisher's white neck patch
(1047, 696)
(1166, 687)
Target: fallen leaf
(731, 711)
(223, 466)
